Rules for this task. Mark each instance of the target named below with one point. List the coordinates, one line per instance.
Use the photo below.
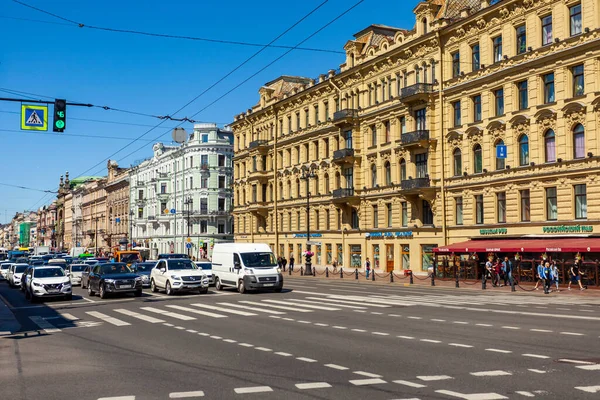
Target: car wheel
(168, 289)
(69, 297)
(153, 287)
(278, 290)
(218, 285)
(90, 291)
(102, 290)
(138, 293)
(241, 287)
(203, 291)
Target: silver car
(74, 272)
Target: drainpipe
(442, 139)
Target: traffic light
(60, 115)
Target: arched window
(402, 170)
(373, 175)
(289, 189)
(317, 188)
(418, 75)
(477, 159)
(388, 173)
(326, 179)
(280, 190)
(550, 146)
(578, 141)
(523, 150)
(424, 26)
(297, 187)
(338, 180)
(500, 162)
(457, 157)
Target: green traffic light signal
(60, 115)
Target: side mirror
(236, 265)
(162, 270)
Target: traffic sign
(34, 118)
(188, 245)
(189, 240)
(501, 151)
(117, 220)
(172, 211)
(313, 243)
(166, 211)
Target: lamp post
(188, 203)
(130, 233)
(96, 236)
(307, 176)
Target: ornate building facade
(117, 204)
(480, 121)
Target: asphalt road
(316, 340)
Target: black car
(171, 255)
(115, 278)
(143, 269)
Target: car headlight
(278, 270)
(109, 281)
(248, 271)
(175, 277)
(138, 278)
(34, 283)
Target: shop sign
(388, 234)
(568, 229)
(495, 231)
(303, 235)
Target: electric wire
(26, 188)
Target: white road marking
(410, 384)
(395, 315)
(186, 395)
(254, 389)
(537, 371)
(216, 337)
(107, 318)
(438, 320)
(256, 303)
(263, 349)
(305, 301)
(168, 313)
(203, 334)
(595, 367)
(3, 333)
(313, 385)
(511, 327)
(467, 346)
(376, 313)
(535, 356)
(499, 351)
(568, 360)
(199, 312)
(304, 322)
(370, 375)
(283, 354)
(491, 373)
(380, 333)
(288, 319)
(303, 305)
(264, 310)
(143, 317)
(88, 300)
(460, 322)
(118, 398)
(411, 317)
(541, 330)
(245, 344)
(572, 333)
(360, 311)
(339, 327)
(485, 325)
(430, 378)
(335, 366)
(223, 309)
(430, 341)
(475, 396)
(405, 337)
(309, 360)
(230, 341)
(167, 324)
(43, 324)
(181, 328)
(348, 302)
(191, 331)
(321, 324)
(358, 330)
(362, 382)
(589, 389)
(69, 317)
(526, 394)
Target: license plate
(52, 290)
(269, 284)
(125, 286)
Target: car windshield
(91, 262)
(168, 256)
(129, 258)
(146, 267)
(19, 269)
(204, 265)
(115, 269)
(258, 260)
(181, 264)
(78, 267)
(5, 266)
(48, 272)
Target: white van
(246, 266)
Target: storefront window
(318, 253)
(340, 255)
(376, 255)
(281, 250)
(299, 257)
(427, 253)
(405, 252)
(355, 256)
(290, 251)
(389, 255)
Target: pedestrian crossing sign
(34, 118)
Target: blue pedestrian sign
(188, 245)
(34, 118)
(501, 151)
(117, 220)
(172, 211)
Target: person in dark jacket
(292, 262)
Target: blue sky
(148, 74)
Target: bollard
(373, 275)
(301, 271)
(392, 277)
(433, 278)
(314, 270)
(326, 272)
(356, 273)
(483, 281)
(341, 272)
(290, 272)
(456, 284)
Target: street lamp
(188, 203)
(130, 233)
(96, 235)
(307, 176)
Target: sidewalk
(8, 322)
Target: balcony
(258, 144)
(261, 176)
(346, 116)
(416, 138)
(416, 92)
(343, 156)
(151, 217)
(415, 184)
(261, 207)
(344, 195)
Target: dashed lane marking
(595, 367)
(368, 374)
(254, 389)
(363, 382)
(264, 310)
(541, 330)
(358, 330)
(430, 341)
(526, 394)
(107, 318)
(313, 385)
(535, 356)
(410, 384)
(380, 333)
(186, 395)
(475, 396)
(143, 317)
(499, 351)
(265, 349)
(283, 354)
(568, 360)
(118, 398)
(537, 371)
(572, 333)
(335, 366)
(466, 346)
(199, 312)
(309, 360)
(491, 373)
(405, 337)
(431, 378)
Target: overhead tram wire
(210, 87)
(258, 72)
(163, 35)
(26, 188)
(70, 135)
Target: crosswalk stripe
(303, 305)
(69, 317)
(223, 309)
(168, 313)
(200, 312)
(265, 310)
(107, 318)
(256, 303)
(143, 317)
(348, 302)
(334, 305)
(43, 324)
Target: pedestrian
(555, 274)
(488, 271)
(368, 267)
(279, 264)
(334, 266)
(539, 271)
(283, 263)
(507, 265)
(292, 262)
(576, 273)
(546, 275)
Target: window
(388, 173)
(203, 206)
(375, 217)
(421, 119)
(354, 219)
(497, 44)
(477, 159)
(316, 110)
(427, 213)
(548, 88)
(163, 206)
(521, 39)
(163, 188)
(348, 139)
(525, 205)
(550, 146)
(204, 182)
(479, 209)
(390, 215)
(221, 182)
(523, 150)
(500, 162)
(404, 205)
(421, 164)
(221, 227)
(140, 195)
(551, 204)
(458, 206)
(298, 121)
(388, 131)
(327, 220)
(418, 74)
(499, 102)
(456, 111)
(455, 64)
(254, 194)
(580, 202)
(289, 123)
(578, 141)
(578, 82)
(204, 138)
(373, 175)
(575, 19)
(547, 30)
(523, 95)
(402, 125)
(501, 206)
(477, 108)
(204, 227)
(457, 157)
(402, 170)
(191, 182)
(373, 135)
(475, 59)
(306, 118)
(222, 161)
(140, 212)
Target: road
(316, 340)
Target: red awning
(566, 245)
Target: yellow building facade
(478, 122)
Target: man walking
(283, 262)
(507, 266)
(292, 262)
(546, 275)
(368, 267)
(575, 275)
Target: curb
(8, 323)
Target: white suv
(178, 274)
(14, 274)
(50, 281)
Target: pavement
(318, 339)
